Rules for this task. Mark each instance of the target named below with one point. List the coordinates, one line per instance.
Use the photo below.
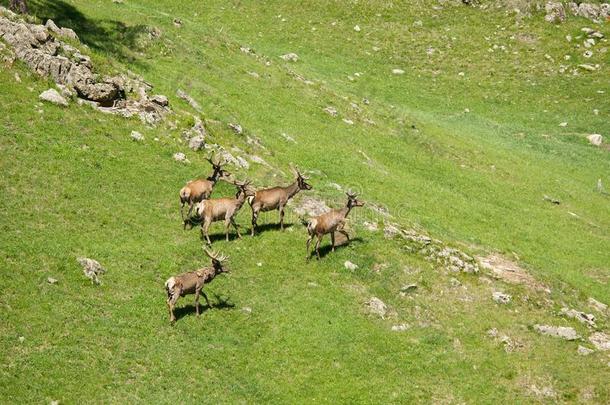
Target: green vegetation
(466, 158)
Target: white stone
(53, 96)
(600, 340)
(136, 136)
(398, 71)
(595, 139)
(562, 332)
(500, 297)
(357, 28)
(584, 351)
(350, 266)
(290, 57)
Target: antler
(214, 255)
(296, 171)
(351, 194)
(242, 183)
(214, 161)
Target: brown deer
(197, 190)
(330, 222)
(276, 198)
(217, 209)
(192, 283)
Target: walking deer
(276, 198)
(330, 222)
(197, 190)
(217, 209)
(193, 282)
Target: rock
(17, 77)
(197, 143)
(236, 128)
(332, 111)
(371, 226)
(555, 13)
(377, 267)
(563, 124)
(408, 288)
(595, 139)
(562, 332)
(177, 22)
(64, 32)
(52, 96)
(588, 54)
(398, 72)
(598, 306)
(92, 269)
(287, 137)
(311, 207)
(500, 297)
(21, 339)
(584, 351)
(400, 328)
(195, 105)
(348, 121)
(588, 67)
(247, 310)
(600, 340)
(377, 307)
(312, 284)
(588, 319)
(350, 266)
(357, 28)
(160, 99)
(51, 280)
(290, 57)
(180, 157)
(589, 11)
(510, 272)
(136, 136)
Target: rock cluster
(556, 12)
(92, 268)
(43, 49)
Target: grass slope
(74, 184)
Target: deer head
(219, 172)
(217, 261)
(301, 180)
(243, 187)
(352, 201)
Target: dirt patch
(510, 272)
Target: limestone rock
(377, 307)
(136, 136)
(600, 340)
(92, 269)
(555, 13)
(53, 96)
(562, 332)
(500, 297)
(595, 139)
(290, 57)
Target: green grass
(74, 184)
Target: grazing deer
(197, 190)
(192, 283)
(276, 198)
(217, 209)
(330, 222)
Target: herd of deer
(196, 194)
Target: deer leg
(191, 205)
(205, 225)
(171, 303)
(236, 227)
(308, 243)
(182, 209)
(332, 241)
(282, 217)
(197, 300)
(344, 233)
(227, 222)
(318, 246)
(207, 301)
(254, 218)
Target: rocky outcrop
(41, 48)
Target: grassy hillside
(462, 146)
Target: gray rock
(181, 94)
(400, 328)
(51, 280)
(350, 266)
(398, 72)
(311, 207)
(562, 332)
(290, 57)
(331, 111)
(92, 269)
(136, 136)
(52, 96)
(500, 297)
(377, 307)
(584, 351)
(600, 340)
(555, 13)
(408, 288)
(180, 157)
(236, 128)
(598, 306)
(197, 142)
(588, 319)
(160, 99)
(595, 139)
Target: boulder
(600, 340)
(595, 139)
(377, 307)
(53, 96)
(160, 99)
(92, 268)
(197, 142)
(555, 13)
(562, 332)
(588, 319)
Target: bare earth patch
(510, 272)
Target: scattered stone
(398, 72)
(500, 297)
(588, 54)
(247, 310)
(348, 121)
(52, 96)
(371, 226)
(584, 351)
(160, 99)
(136, 136)
(454, 282)
(290, 57)
(400, 328)
(287, 137)
(600, 340)
(310, 206)
(350, 266)
(21, 339)
(588, 67)
(197, 143)
(555, 13)
(17, 77)
(236, 128)
(377, 307)
(510, 272)
(546, 391)
(563, 124)
(595, 139)
(177, 22)
(332, 111)
(64, 32)
(588, 319)
(181, 94)
(551, 200)
(510, 345)
(408, 288)
(180, 157)
(562, 332)
(377, 267)
(92, 269)
(598, 306)
(51, 280)
(357, 28)
(312, 284)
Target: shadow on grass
(112, 37)
(327, 248)
(271, 227)
(221, 303)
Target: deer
(330, 222)
(193, 282)
(198, 190)
(217, 209)
(275, 198)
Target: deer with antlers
(193, 282)
(276, 198)
(330, 222)
(198, 190)
(218, 209)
